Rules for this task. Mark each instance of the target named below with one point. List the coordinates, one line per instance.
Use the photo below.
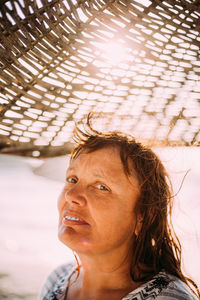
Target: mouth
(71, 219)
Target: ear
(138, 225)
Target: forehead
(110, 153)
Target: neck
(102, 273)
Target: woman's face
(97, 204)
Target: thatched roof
(60, 59)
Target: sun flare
(113, 52)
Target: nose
(75, 196)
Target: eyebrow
(95, 174)
(70, 169)
(103, 177)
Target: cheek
(128, 219)
(117, 219)
(61, 200)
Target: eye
(71, 180)
(102, 187)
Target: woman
(113, 212)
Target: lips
(71, 218)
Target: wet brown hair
(156, 247)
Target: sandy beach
(29, 248)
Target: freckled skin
(98, 191)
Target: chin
(75, 241)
